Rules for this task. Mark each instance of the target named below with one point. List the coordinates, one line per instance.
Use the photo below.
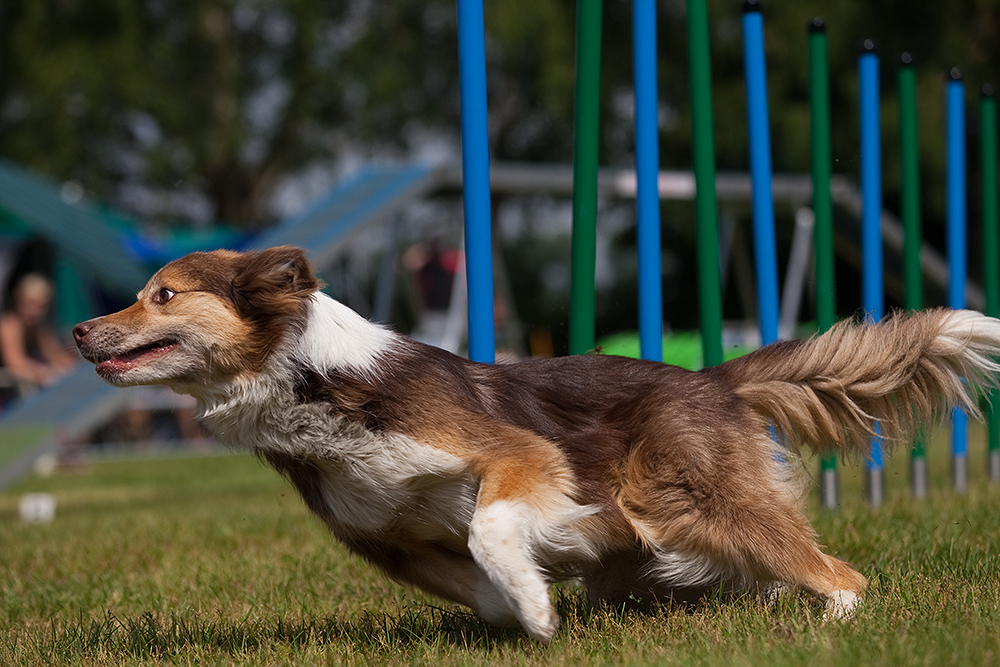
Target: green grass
(214, 561)
(19, 441)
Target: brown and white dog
(482, 484)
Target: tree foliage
(159, 105)
(181, 102)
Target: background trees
(185, 112)
(223, 100)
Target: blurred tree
(192, 109)
(211, 99)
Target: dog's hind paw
(841, 605)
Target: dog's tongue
(131, 359)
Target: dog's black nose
(81, 330)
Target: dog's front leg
(500, 539)
(443, 572)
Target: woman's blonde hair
(35, 287)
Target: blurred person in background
(30, 351)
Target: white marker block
(37, 508)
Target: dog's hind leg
(625, 580)
(776, 544)
(797, 560)
(734, 519)
(772, 546)
(803, 565)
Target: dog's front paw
(538, 618)
(541, 623)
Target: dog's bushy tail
(905, 372)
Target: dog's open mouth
(128, 360)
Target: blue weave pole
(957, 260)
(647, 167)
(766, 255)
(476, 179)
(872, 298)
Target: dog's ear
(269, 278)
(280, 269)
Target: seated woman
(30, 351)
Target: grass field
(214, 561)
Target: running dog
(483, 484)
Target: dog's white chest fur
(368, 480)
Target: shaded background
(189, 114)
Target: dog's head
(202, 320)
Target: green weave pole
(822, 204)
(909, 160)
(991, 250)
(586, 113)
(910, 183)
(706, 202)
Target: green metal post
(822, 204)
(909, 159)
(910, 183)
(586, 135)
(991, 250)
(706, 202)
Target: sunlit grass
(214, 561)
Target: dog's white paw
(492, 606)
(531, 609)
(540, 623)
(841, 605)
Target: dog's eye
(165, 294)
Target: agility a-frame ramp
(78, 230)
(81, 402)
